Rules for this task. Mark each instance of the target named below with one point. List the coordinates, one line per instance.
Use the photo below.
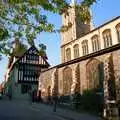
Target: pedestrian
(76, 100)
(55, 100)
(39, 99)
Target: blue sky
(103, 11)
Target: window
(85, 47)
(68, 54)
(32, 59)
(95, 43)
(107, 38)
(67, 81)
(94, 73)
(20, 75)
(118, 32)
(76, 51)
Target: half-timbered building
(23, 73)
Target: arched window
(118, 31)
(76, 51)
(68, 54)
(95, 43)
(67, 81)
(95, 73)
(107, 38)
(85, 47)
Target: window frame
(107, 37)
(68, 54)
(76, 50)
(85, 47)
(95, 43)
(118, 32)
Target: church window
(76, 51)
(95, 43)
(118, 32)
(95, 74)
(68, 54)
(67, 81)
(85, 47)
(107, 38)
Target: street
(10, 110)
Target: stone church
(89, 59)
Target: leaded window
(107, 38)
(67, 81)
(95, 74)
(85, 47)
(68, 54)
(95, 43)
(76, 51)
(118, 32)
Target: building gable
(32, 56)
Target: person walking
(55, 100)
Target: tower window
(118, 32)
(107, 38)
(95, 43)
(76, 51)
(85, 47)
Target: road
(10, 110)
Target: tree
(25, 19)
(19, 48)
(91, 101)
(42, 50)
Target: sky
(103, 11)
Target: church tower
(77, 30)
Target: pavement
(17, 110)
(67, 114)
(26, 110)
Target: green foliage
(19, 48)
(83, 10)
(25, 19)
(42, 50)
(83, 13)
(65, 28)
(92, 101)
(3, 34)
(88, 3)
